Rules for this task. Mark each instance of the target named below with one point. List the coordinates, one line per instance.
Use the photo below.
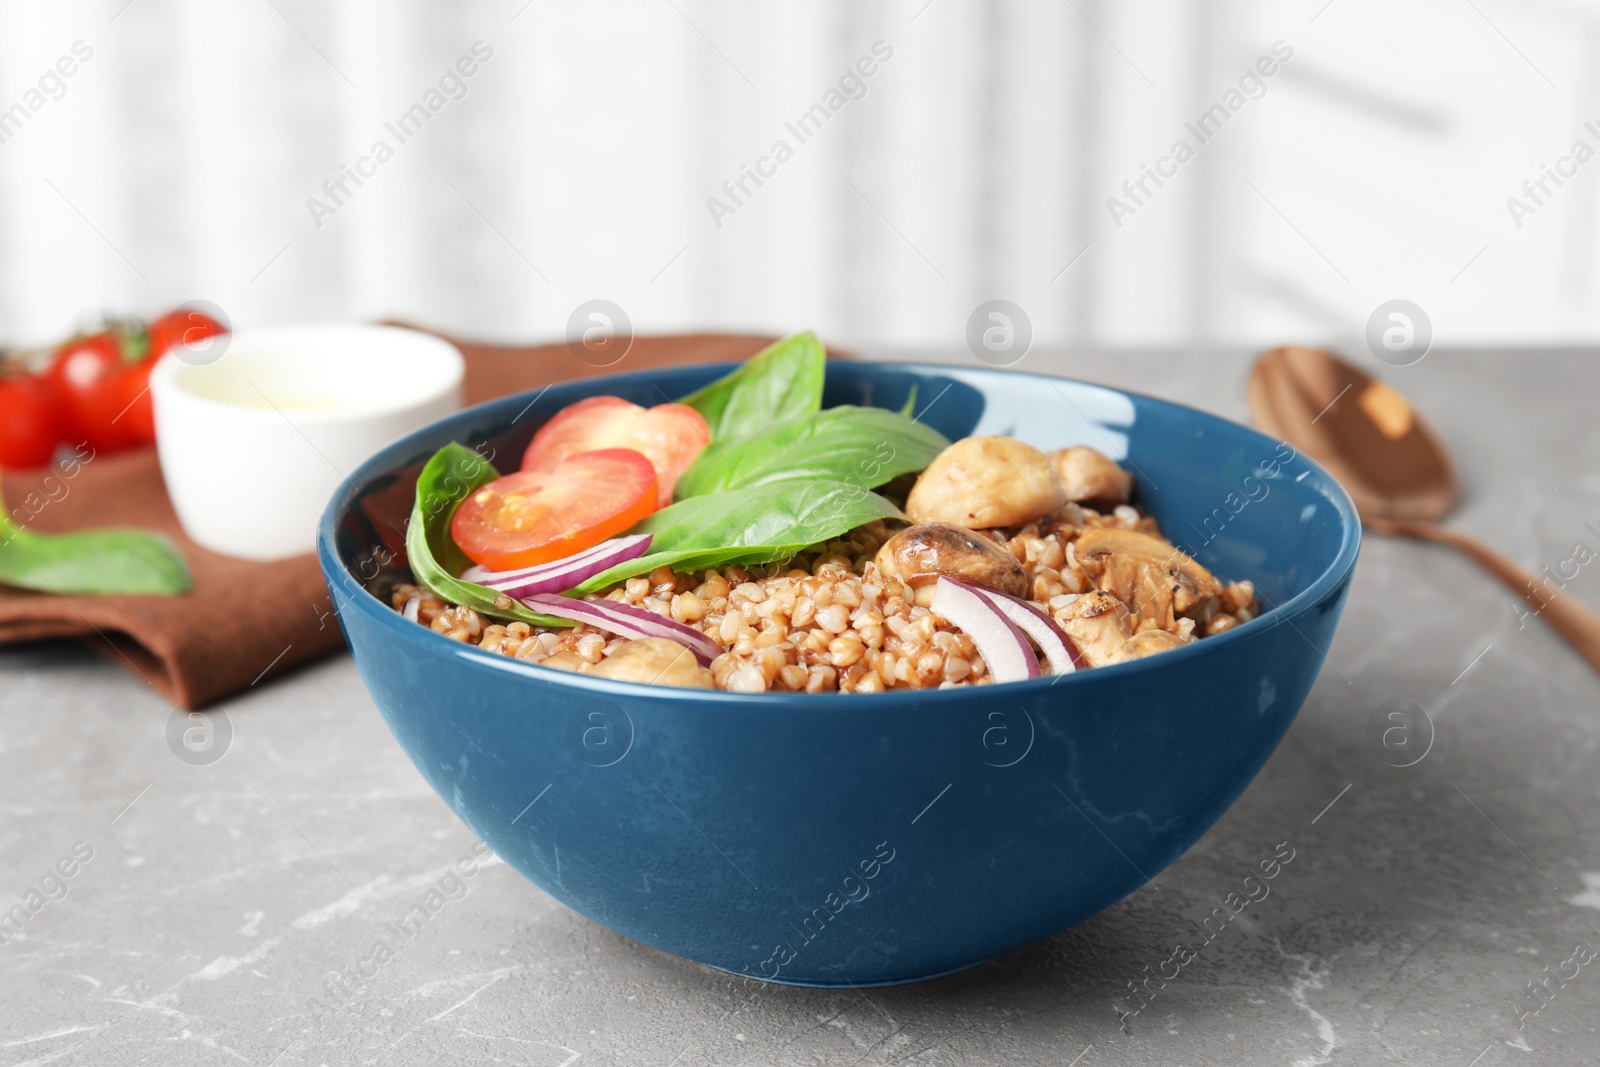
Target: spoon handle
(1568, 617)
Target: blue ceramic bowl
(836, 839)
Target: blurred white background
(177, 162)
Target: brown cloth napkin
(245, 622)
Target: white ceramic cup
(253, 442)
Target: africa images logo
(852, 85)
(1204, 129)
(452, 85)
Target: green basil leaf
(102, 562)
(454, 472)
(778, 383)
(911, 402)
(859, 446)
(756, 524)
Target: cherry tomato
(30, 421)
(87, 373)
(185, 327)
(138, 410)
(533, 517)
(670, 436)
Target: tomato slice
(670, 436)
(534, 517)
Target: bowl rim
(347, 591)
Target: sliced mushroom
(982, 482)
(918, 555)
(1155, 580)
(1098, 624)
(1146, 643)
(1089, 476)
(654, 661)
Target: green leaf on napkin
(100, 562)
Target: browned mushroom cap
(654, 661)
(1098, 624)
(1153, 578)
(984, 482)
(918, 555)
(1089, 476)
(1146, 643)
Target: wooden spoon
(1395, 467)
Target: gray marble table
(216, 901)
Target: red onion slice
(1059, 650)
(1001, 644)
(560, 575)
(625, 620)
